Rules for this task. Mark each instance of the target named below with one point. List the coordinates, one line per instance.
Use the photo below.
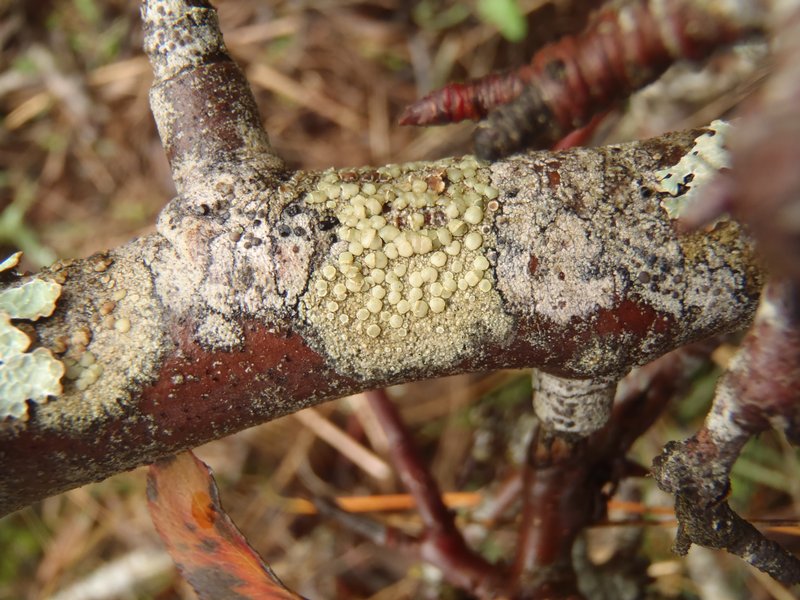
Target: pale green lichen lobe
(409, 282)
(684, 180)
(31, 300)
(25, 375)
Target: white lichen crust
(408, 282)
(685, 180)
(586, 247)
(179, 36)
(576, 406)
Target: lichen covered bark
(266, 291)
(221, 322)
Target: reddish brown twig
(565, 489)
(626, 46)
(566, 484)
(470, 100)
(442, 543)
(760, 390)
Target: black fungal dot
(328, 223)
(284, 175)
(257, 222)
(299, 231)
(561, 275)
(292, 210)
(643, 277)
(284, 231)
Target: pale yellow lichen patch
(410, 273)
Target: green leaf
(506, 16)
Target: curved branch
(265, 292)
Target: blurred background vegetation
(82, 169)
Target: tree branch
(265, 292)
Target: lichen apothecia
(409, 281)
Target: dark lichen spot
(292, 210)
(328, 223)
(643, 277)
(299, 231)
(284, 231)
(370, 175)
